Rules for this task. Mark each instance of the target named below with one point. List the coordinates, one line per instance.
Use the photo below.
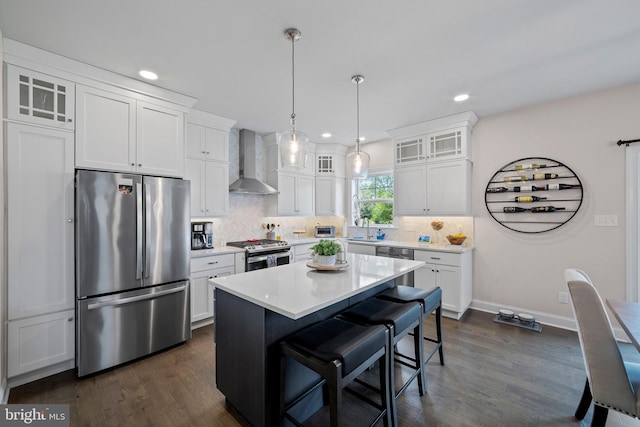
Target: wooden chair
(611, 382)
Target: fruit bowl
(456, 240)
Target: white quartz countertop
(295, 290)
(218, 250)
(411, 245)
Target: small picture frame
(424, 239)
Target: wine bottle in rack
(546, 209)
(515, 178)
(561, 186)
(527, 188)
(497, 190)
(529, 166)
(514, 209)
(528, 199)
(539, 176)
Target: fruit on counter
(437, 225)
(459, 235)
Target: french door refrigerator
(132, 267)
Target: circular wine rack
(533, 195)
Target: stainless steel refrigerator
(132, 267)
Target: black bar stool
(400, 319)
(430, 299)
(339, 351)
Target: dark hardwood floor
(495, 375)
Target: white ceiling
(415, 54)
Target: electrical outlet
(605, 220)
(563, 297)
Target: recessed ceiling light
(461, 97)
(326, 135)
(149, 75)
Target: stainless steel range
(264, 253)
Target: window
(375, 199)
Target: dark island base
(248, 356)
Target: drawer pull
(212, 262)
(434, 257)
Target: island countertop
(295, 290)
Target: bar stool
(430, 299)
(339, 351)
(400, 319)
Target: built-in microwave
(325, 231)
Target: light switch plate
(605, 220)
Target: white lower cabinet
(302, 252)
(356, 248)
(41, 341)
(203, 269)
(452, 272)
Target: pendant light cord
(293, 84)
(357, 116)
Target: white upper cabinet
(432, 173)
(410, 151)
(330, 196)
(445, 138)
(207, 166)
(209, 187)
(449, 144)
(410, 191)
(106, 130)
(330, 171)
(160, 140)
(206, 143)
(39, 98)
(449, 187)
(120, 133)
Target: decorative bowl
(456, 240)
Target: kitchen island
(255, 310)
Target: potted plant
(324, 252)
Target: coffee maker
(201, 235)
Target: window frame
(355, 191)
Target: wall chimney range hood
(248, 182)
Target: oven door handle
(254, 259)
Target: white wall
(526, 270)
(381, 154)
(3, 281)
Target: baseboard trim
(554, 320)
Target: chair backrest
(608, 378)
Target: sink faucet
(369, 236)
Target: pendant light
(358, 160)
(293, 144)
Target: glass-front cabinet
(409, 151)
(39, 98)
(448, 145)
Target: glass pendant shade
(358, 163)
(294, 147)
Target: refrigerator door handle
(136, 298)
(147, 227)
(138, 231)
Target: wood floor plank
(495, 375)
